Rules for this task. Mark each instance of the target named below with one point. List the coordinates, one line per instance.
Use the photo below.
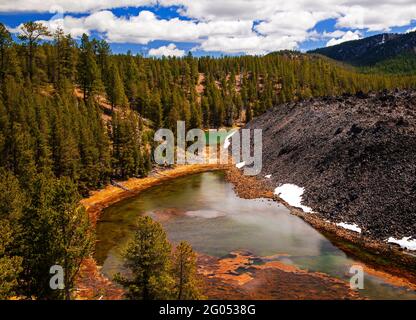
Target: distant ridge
(379, 50)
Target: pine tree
(115, 89)
(148, 259)
(64, 58)
(5, 43)
(10, 266)
(89, 77)
(55, 231)
(205, 112)
(73, 235)
(196, 117)
(12, 202)
(156, 111)
(32, 33)
(103, 53)
(187, 285)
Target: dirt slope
(354, 155)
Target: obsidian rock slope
(354, 155)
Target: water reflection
(204, 210)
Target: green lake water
(207, 213)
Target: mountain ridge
(374, 51)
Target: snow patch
(292, 194)
(227, 141)
(240, 165)
(268, 176)
(352, 227)
(405, 243)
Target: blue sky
(214, 27)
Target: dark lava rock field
(354, 155)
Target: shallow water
(204, 210)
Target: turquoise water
(217, 138)
(204, 210)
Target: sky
(214, 27)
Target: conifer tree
(156, 111)
(89, 77)
(64, 59)
(187, 285)
(5, 43)
(205, 112)
(115, 88)
(73, 235)
(31, 34)
(12, 202)
(55, 231)
(148, 259)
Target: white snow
(352, 227)
(268, 176)
(227, 141)
(404, 243)
(292, 194)
(240, 165)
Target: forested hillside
(385, 53)
(402, 64)
(73, 116)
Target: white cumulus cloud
(231, 26)
(348, 36)
(167, 51)
(69, 5)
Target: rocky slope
(354, 155)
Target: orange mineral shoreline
(398, 266)
(104, 198)
(91, 283)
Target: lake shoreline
(101, 199)
(390, 258)
(92, 284)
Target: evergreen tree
(115, 88)
(148, 259)
(64, 58)
(10, 265)
(89, 77)
(185, 273)
(72, 229)
(156, 111)
(205, 112)
(127, 142)
(31, 34)
(5, 43)
(12, 202)
(55, 231)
